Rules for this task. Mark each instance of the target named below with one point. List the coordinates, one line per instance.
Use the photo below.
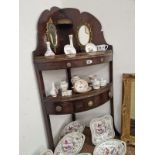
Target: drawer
(91, 102)
(59, 108)
(73, 63)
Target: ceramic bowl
(70, 144)
(69, 50)
(102, 129)
(75, 126)
(110, 147)
(91, 48)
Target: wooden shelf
(77, 96)
(62, 61)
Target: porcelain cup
(75, 78)
(102, 47)
(96, 84)
(103, 82)
(63, 86)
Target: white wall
(117, 18)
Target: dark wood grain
(74, 19)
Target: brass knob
(69, 64)
(90, 103)
(58, 108)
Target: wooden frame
(126, 109)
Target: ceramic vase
(53, 91)
(49, 51)
(69, 49)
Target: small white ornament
(53, 91)
(49, 51)
(69, 49)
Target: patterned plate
(73, 127)
(101, 129)
(70, 144)
(110, 147)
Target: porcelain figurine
(49, 51)
(53, 91)
(69, 49)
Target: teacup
(96, 84)
(103, 82)
(102, 47)
(75, 78)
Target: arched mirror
(84, 34)
(52, 34)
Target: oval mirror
(52, 33)
(84, 33)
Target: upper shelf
(81, 59)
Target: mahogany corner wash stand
(67, 22)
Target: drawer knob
(90, 103)
(88, 62)
(58, 108)
(69, 64)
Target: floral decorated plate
(76, 126)
(102, 129)
(110, 147)
(81, 86)
(70, 144)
